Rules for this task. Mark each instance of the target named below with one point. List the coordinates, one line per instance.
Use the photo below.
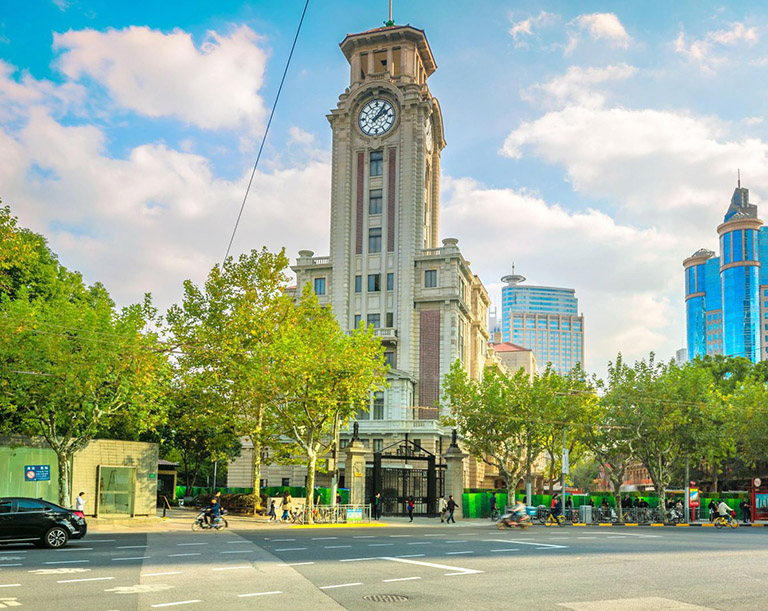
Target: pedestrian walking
(712, 509)
(272, 513)
(377, 506)
(338, 497)
(441, 505)
(410, 504)
(285, 505)
(493, 503)
(80, 505)
(451, 506)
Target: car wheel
(56, 537)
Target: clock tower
(386, 267)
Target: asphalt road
(430, 567)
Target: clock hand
(378, 114)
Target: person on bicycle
(557, 506)
(723, 511)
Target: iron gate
(417, 475)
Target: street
(422, 566)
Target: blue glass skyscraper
(726, 296)
(544, 319)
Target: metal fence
(335, 514)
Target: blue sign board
(37, 473)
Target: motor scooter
(511, 519)
(219, 523)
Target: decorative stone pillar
(354, 469)
(454, 475)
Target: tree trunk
(256, 462)
(310, 503)
(65, 477)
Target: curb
(659, 524)
(352, 525)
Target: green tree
(70, 366)
(496, 419)
(325, 376)
(226, 331)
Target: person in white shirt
(441, 507)
(724, 511)
(80, 505)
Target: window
(375, 320)
(374, 201)
(28, 506)
(374, 239)
(358, 318)
(374, 283)
(377, 163)
(5, 507)
(378, 405)
(390, 320)
(319, 286)
(358, 284)
(343, 443)
(390, 359)
(286, 481)
(430, 278)
(390, 282)
(378, 445)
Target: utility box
(585, 514)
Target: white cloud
(622, 275)
(599, 26)
(522, 30)
(299, 136)
(577, 86)
(656, 167)
(164, 75)
(704, 51)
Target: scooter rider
(519, 511)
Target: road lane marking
(130, 546)
(85, 579)
(101, 540)
(12, 564)
(323, 538)
(459, 570)
(76, 549)
(181, 602)
(395, 536)
(260, 593)
(179, 555)
(439, 535)
(534, 543)
(158, 574)
(586, 537)
(281, 540)
(364, 537)
(245, 551)
(284, 549)
(236, 542)
(132, 558)
(509, 549)
(617, 536)
(335, 546)
(233, 568)
(296, 564)
(454, 553)
(411, 556)
(180, 544)
(379, 544)
(65, 561)
(421, 543)
(458, 541)
(341, 585)
(360, 559)
(400, 579)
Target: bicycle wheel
(560, 521)
(734, 524)
(495, 515)
(719, 523)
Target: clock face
(377, 117)
(428, 136)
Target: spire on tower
(738, 176)
(389, 22)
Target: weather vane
(389, 22)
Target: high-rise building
(726, 297)
(544, 319)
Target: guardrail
(335, 514)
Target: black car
(45, 524)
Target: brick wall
(429, 358)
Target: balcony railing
(387, 333)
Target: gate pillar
(454, 475)
(354, 472)
(432, 486)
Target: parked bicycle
(495, 514)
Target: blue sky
(595, 144)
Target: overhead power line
(266, 130)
